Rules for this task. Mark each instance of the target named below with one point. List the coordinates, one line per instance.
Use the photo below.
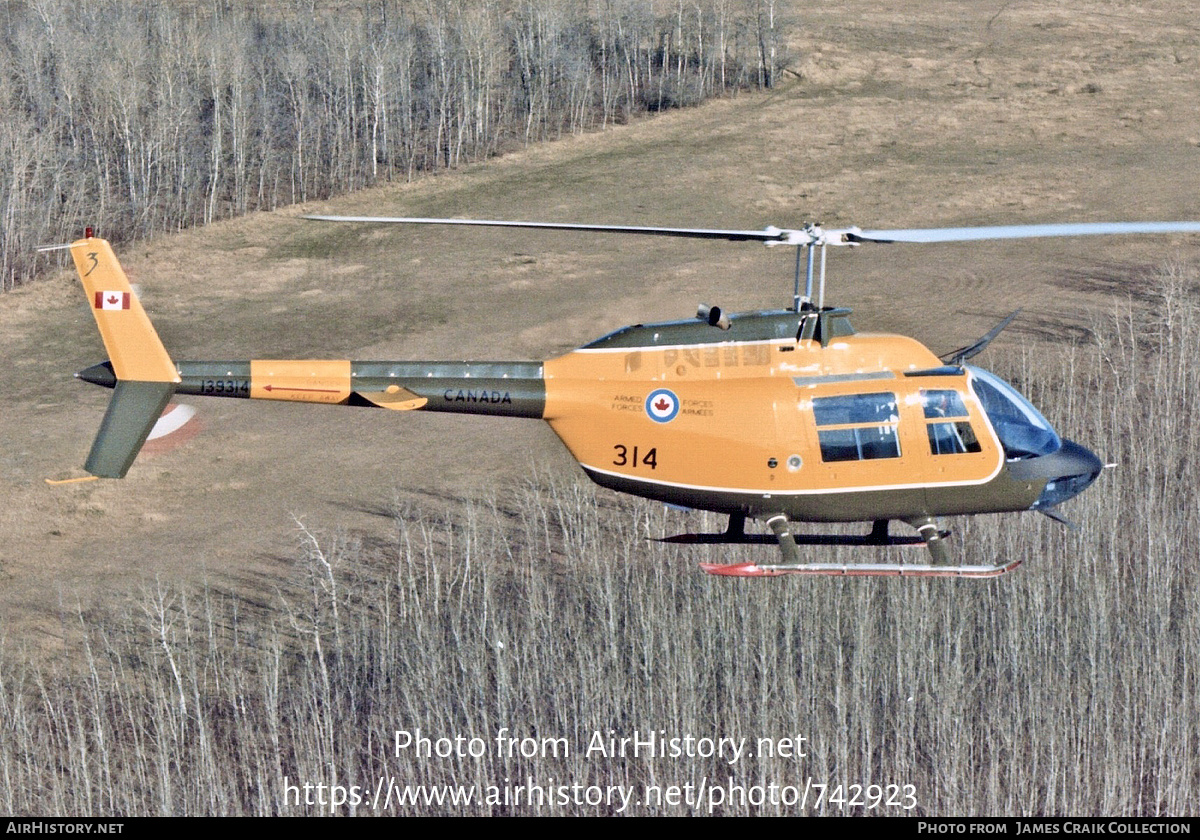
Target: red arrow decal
(662, 404)
(311, 390)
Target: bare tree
(154, 117)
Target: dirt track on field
(921, 114)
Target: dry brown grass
(1066, 688)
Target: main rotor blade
(766, 235)
(971, 234)
(811, 234)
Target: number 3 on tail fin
(146, 376)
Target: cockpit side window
(857, 427)
(947, 425)
(1022, 430)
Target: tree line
(140, 118)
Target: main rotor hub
(813, 234)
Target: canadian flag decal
(112, 300)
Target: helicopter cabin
(786, 410)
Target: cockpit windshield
(1022, 429)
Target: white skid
(856, 570)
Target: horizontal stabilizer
(395, 398)
(134, 409)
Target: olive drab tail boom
(144, 378)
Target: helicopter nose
(1068, 472)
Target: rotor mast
(800, 303)
(817, 238)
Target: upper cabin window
(857, 427)
(946, 423)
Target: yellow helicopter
(780, 416)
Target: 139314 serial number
(224, 386)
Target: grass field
(279, 595)
(542, 614)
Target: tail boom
(144, 378)
(504, 389)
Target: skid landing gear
(928, 534)
(857, 570)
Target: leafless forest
(138, 118)
(546, 610)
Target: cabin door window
(857, 427)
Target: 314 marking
(636, 459)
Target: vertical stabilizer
(129, 337)
(146, 376)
